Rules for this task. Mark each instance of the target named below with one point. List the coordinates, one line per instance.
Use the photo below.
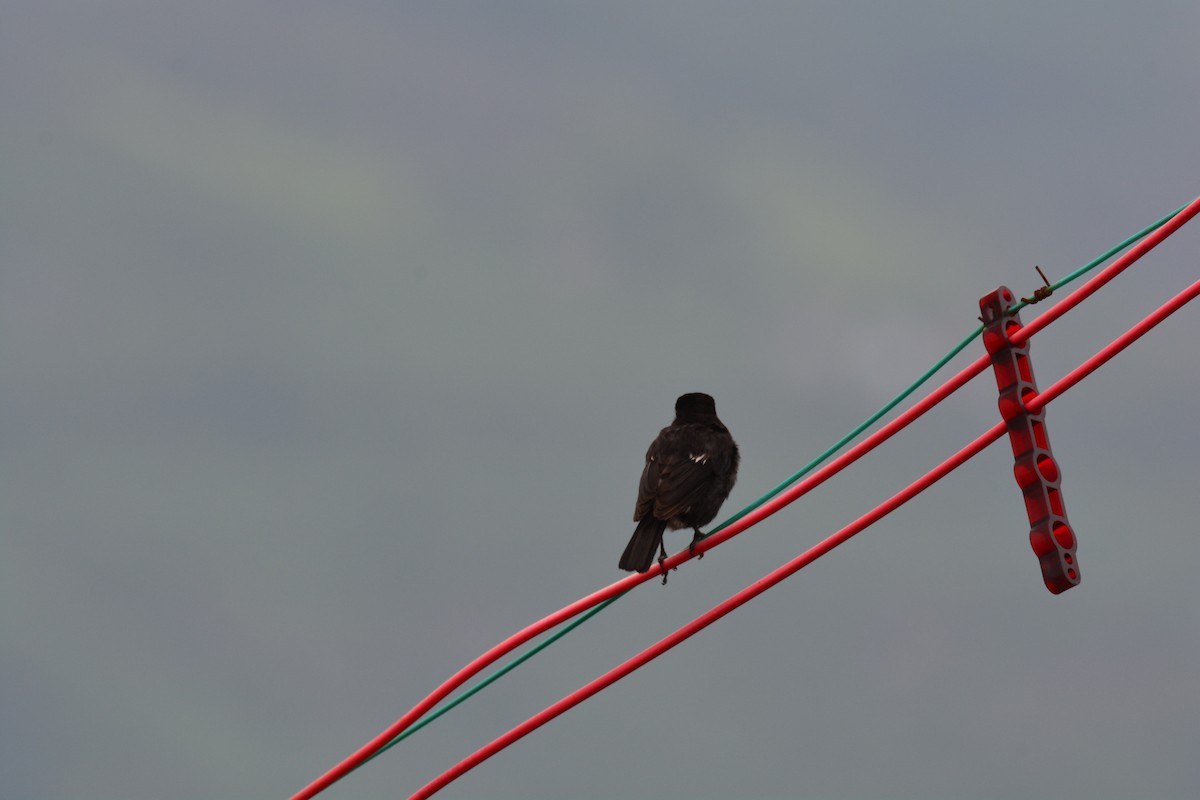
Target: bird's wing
(676, 476)
(648, 486)
(683, 480)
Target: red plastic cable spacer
(1036, 471)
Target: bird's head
(695, 405)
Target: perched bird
(690, 469)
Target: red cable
(625, 584)
(807, 557)
(579, 606)
(357, 758)
(1120, 343)
(1108, 273)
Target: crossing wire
(1034, 404)
(955, 383)
(421, 714)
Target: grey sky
(333, 336)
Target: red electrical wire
(1120, 343)
(810, 555)
(1108, 273)
(625, 584)
(358, 757)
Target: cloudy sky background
(333, 336)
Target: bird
(690, 469)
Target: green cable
(958, 348)
(1095, 263)
(809, 467)
(431, 716)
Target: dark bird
(690, 469)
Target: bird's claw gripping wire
(662, 557)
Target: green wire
(1088, 267)
(809, 467)
(958, 348)
(431, 716)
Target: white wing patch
(699, 458)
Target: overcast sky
(333, 335)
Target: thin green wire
(958, 348)
(809, 467)
(431, 716)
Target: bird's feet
(699, 537)
(662, 558)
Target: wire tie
(1042, 292)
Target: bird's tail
(647, 538)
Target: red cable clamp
(1036, 471)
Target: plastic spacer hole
(1047, 468)
(1063, 536)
